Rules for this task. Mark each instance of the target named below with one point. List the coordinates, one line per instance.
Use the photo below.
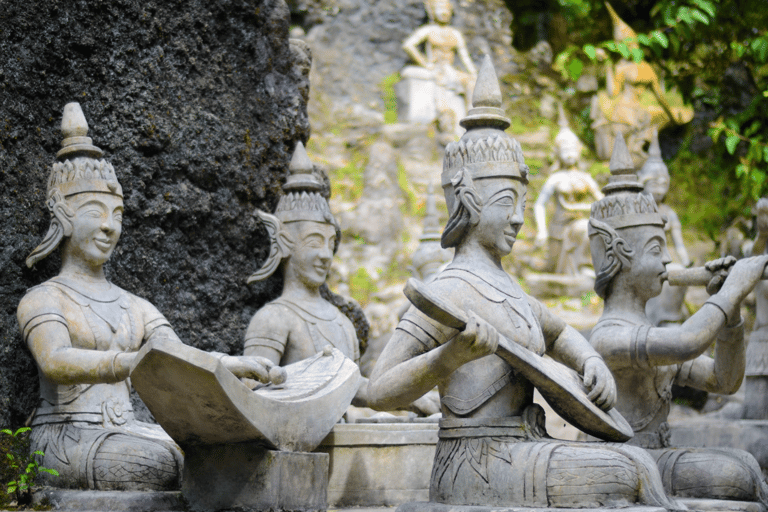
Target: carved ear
(64, 214)
(472, 203)
(277, 246)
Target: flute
(696, 276)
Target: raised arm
(723, 373)
(411, 45)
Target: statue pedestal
(247, 476)
(125, 501)
(379, 464)
(748, 435)
(442, 507)
(419, 92)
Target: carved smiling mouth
(105, 244)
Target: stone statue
(572, 192)
(84, 333)
(756, 388)
(667, 307)
(304, 237)
(437, 90)
(627, 107)
(630, 256)
(493, 449)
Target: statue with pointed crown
(475, 334)
(635, 102)
(572, 191)
(85, 332)
(666, 308)
(304, 236)
(450, 88)
(630, 256)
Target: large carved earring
(618, 253)
(280, 245)
(61, 226)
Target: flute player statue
(84, 334)
(629, 252)
(493, 450)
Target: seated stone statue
(452, 87)
(84, 333)
(304, 237)
(630, 255)
(493, 450)
(572, 192)
(667, 307)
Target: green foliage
(362, 286)
(715, 53)
(387, 87)
(20, 465)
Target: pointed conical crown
(78, 167)
(565, 137)
(622, 33)
(302, 200)
(654, 167)
(485, 150)
(624, 205)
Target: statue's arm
(594, 189)
(540, 208)
(676, 230)
(267, 334)
(44, 325)
(412, 42)
(464, 54)
(723, 373)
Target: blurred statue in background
(572, 192)
(666, 308)
(438, 91)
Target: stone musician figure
(629, 252)
(493, 449)
(84, 333)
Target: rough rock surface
(198, 105)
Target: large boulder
(198, 105)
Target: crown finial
(655, 150)
(623, 177)
(301, 169)
(74, 129)
(486, 109)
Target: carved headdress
(625, 205)
(484, 151)
(78, 168)
(566, 139)
(302, 202)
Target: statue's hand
(254, 367)
(478, 339)
(600, 383)
(719, 269)
(744, 276)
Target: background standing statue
(492, 448)
(84, 333)
(572, 192)
(303, 237)
(666, 308)
(630, 255)
(452, 87)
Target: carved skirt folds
(503, 462)
(89, 456)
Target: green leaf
(715, 132)
(590, 51)
(760, 48)
(623, 49)
(7, 431)
(574, 69)
(21, 431)
(637, 55)
(644, 39)
(765, 153)
(706, 6)
(38, 452)
(50, 471)
(684, 14)
(741, 170)
(700, 16)
(731, 142)
(660, 38)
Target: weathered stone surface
(125, 501)
(379, 465)
(247, 476)
(197, 105)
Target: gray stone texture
(198, 106)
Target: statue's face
(569, 154)
(96, 226)
(649, 262)
(501, 215)
(658, 187)
(442, 11)
(312, 254)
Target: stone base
(722, 505)
(247, 476)
(440, 507)
(748, 435)
(379, 464)
(124, 501)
